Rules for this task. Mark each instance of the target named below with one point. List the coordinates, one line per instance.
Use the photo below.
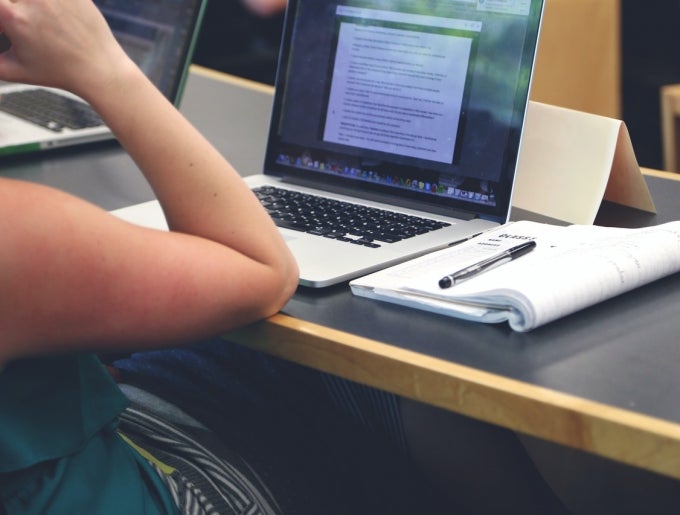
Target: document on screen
(398, 90)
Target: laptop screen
(424, 100)
(159, 35)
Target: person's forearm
(78, 278)
(200, 193)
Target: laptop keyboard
(49, 109)
(343, 221)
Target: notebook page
(571, 268)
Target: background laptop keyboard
(49, 109)
(344, 221)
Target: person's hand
(265, 7)
(60, 43)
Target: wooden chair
(670, 126)
(578, 64)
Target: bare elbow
(288, 277)
(280, 287)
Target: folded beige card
(570, 161)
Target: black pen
(486, 264)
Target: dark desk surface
(624, 352)
(604, 380)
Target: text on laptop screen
(427, 97)
(154, 33)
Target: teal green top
(59, 449)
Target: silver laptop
(158, 34)
(413, 108)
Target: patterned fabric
(228, 371)
(203, 477)
(322, 445)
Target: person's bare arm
(74, 277)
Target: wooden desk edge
(232, 79)
(671, 176)
(621, 435)
(614, 433)
(265, 88)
